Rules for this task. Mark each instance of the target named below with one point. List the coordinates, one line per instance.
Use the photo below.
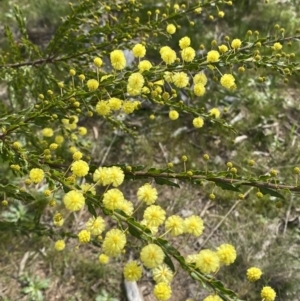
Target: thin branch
(184, 177)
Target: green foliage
(48, 105)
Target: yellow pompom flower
(194, 225)
(92, 85)
(162, 274)
(115, 103)
(47, 132)
(114, 243)
(139, 50)
(226, 253)
(180, 79)
(223, 48)
(118, 60)
(59, 245)
(133, 90)
(115, 175)
(277, 46)
(112, 199)
(254, 274)
(228, 81)
(154, 215)
(53, 146)
(127, 207)
(17, 145)
(236, 43)
(136, 81)
(168, 55)
(101, 176)
(104, 259)
(98, 62)
(213, 56)
(36, 175)
(212, 298)
(198, 122)
(200, 78)
(77, 155)
(268, 294)
(173, 115)
(82, 131)
(184, 42)
(72, 72)
(207, 261)
(144, 66)
(132, 271)
(152, 256)
(74, 200)
(171, 28)
(59, 139)
(199, 89)
(95, 225)
(215, 112)
(188, 54)
(162, 291)
(147, 194)
(84, 236)
(103, 108)
(58, 219)
(80, 168)
(175, 225)
(86, 187)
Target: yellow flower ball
(228, 81)
(184, 42)
(132, 271)
(36, 175)
(174, 225)
(226, 253)
(47, 132)
(180, 79)
(162, 274)
(118, 60)
(277, 46)
(223, 48)
(198, 122)
(74, 200)
(84, 236)
(92, 85)
(136, 80)
(59, 139)
(200, 78)
(213, 298)
(95, 225)
(188, 54)
(82, 131)
(53, 146)
(207, 261)
(98, 62)
(114, 243)
(154, 215)
(147, 194)
(112, 199)
(80, 168)
(162, 291)
(115, 103)
(152, 256)
(254, 274)
(139, 50)
(171, 28)
(268, 294)
(173, 115)
(81, 77)
(103, 108)
(72, 72)
(213, 56)
(104, 259)
(58, 220)
(194, 225)
(144, 66)
(215, 112)
(236, 43)
(199, 89)
(168, 55)
(126, 207)
(59, 245)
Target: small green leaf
(271, 192)
(163, 181)
(226, 186)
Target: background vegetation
(265, 116)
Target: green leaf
(91, 209)
(163, 181)
(271, 192)
(226, 186)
